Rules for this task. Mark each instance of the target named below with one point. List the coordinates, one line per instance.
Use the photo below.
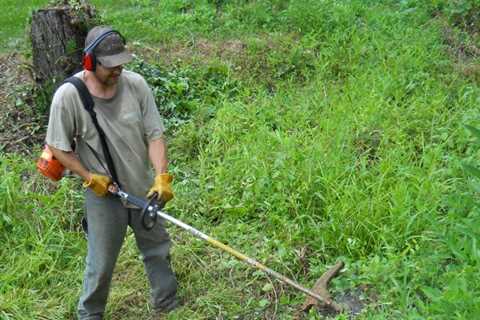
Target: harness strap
(88, 104)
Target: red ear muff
(88, 61)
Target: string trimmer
(151, 210)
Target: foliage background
(301, 132)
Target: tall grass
(12, 32)
(341, 136)
(40, 243)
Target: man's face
(108, 76)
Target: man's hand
(98, 183)
(162, 187)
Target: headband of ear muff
(89, 59)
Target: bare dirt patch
(20, 126)
(196, 50)
(464, 54)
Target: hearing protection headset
(89, 59)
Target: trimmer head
(321, 288)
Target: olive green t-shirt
(130, 120)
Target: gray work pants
(107, 225)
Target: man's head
(105, 52)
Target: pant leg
(107, 225)
(154, 246)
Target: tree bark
(58, 35)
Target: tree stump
(58, 35)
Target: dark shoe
(159, 312)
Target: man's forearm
(157, 151)
(71, 162)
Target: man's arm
(157, 151)
(71, 162)
(97, 182)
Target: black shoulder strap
(88, 103)
(83, 91)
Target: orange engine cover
(49, 166)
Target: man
(127, 113)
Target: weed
(180, 92)
(339, 137)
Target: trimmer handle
(160, 203)
(149, 212)
(149, 207)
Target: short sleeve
(61, 123)
(152, 121)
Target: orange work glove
(99, 184)
(162, 187)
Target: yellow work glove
(162, 187)
(99, 184)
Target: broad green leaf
(474, 131)
(263, 303)
(267, 287)
(472, 170)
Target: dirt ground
(21, 125)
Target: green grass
(14, 16)
(333, 131)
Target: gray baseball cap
(111, 51)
